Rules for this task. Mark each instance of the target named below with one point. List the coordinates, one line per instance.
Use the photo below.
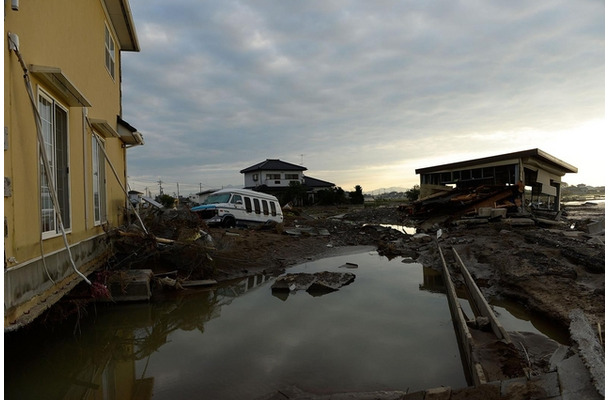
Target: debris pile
(176, 240)
(450, 205)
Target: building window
(99, 182)
(109, 52)
(273, 176)
(294, 177)
(54, 123)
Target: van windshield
(217, 198)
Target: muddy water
(388, 330)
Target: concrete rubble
(316, 283)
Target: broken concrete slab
(330, 281)
(315, 284)
(292, 282)
(589, 347)
(597, 227)
(130, 285)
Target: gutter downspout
(43, 154)
(85, 162)
(116, 175)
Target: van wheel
(228, 222)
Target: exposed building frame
(535, 169)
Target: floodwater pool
(390, 329)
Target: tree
(296, 193)
(413, 194)
(356, 197)
(331, 196)
(167, 200)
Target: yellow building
(62, 94)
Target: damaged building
(509, 181)
(65, 146)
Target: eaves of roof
(532, 153)
(313, 182)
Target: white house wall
(249, 180)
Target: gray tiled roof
(273, 165)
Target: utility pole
(178, 189)
(160, 187)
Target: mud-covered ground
(550, 267)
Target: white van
(230, 207)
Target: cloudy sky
(360, 92)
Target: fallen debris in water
(318, 283)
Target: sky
(360, 92)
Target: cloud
(353, 86)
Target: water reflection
(388, 330)
(99, 360)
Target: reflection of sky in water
(380, 332)
(515, 318)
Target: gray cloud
(354, 86)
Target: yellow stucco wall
(69, 35)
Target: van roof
(248, 192)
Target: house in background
(62, 94)
(536, 171)
(199, 198)
(274, 176)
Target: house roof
(273, 165)
(532, 153)
(313, 182)
(122, 20)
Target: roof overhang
(128, 134)
(55, 78)
(122, 20)
(533, 154)
(104, 128)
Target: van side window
(257, 206)
(265, 207)
(273, 210)
(236, 199)
(248, 204)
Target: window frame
(59, 159)
(98, 165)
(109, 52)
(248, 204)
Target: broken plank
(202, 282)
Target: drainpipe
(14, 46)
(116, 175)
(85, 164)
